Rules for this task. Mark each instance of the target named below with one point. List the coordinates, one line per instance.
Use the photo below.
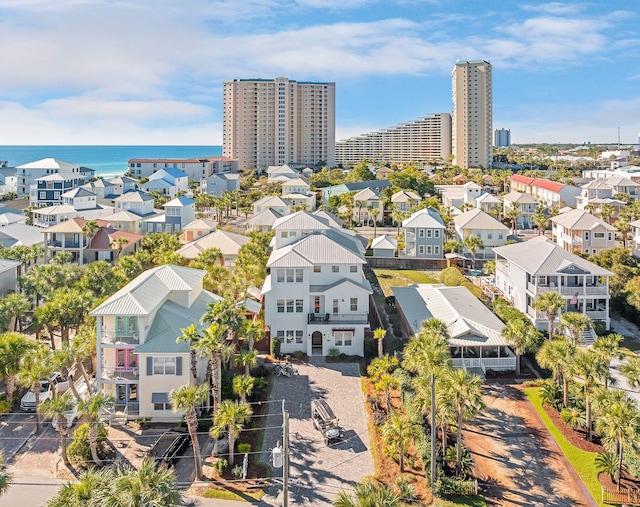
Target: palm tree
(513, 215)
(619, 426)
(398, 432)
(230, 417)
(17, 305)
(188, 399)
(253, 330)
(359, 204)
(574, 324)
(473, 244)
(57, 408)
(428, 351)
(379, 335)
(118, 244)
(37, 364)
(608, 346)
(84, 347)
(247, 359)
(210, 345)
(90, 228)
(589, 366)
(624, 228)
(550, 303)
(462, 392)
(368, 494)
(386, 382)
(5, 477)
(373, 213)
(13, 346)
(606, 212)
(191, 335)
(522, 336)
(556, 355)
(226, 314)
(92, 410)
(631, 370)
(542, 221)
(243, 386)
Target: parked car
(28, 401)
(326, 422)
(171, 453)
(73, 415)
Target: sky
(141, 72)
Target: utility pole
(434, 433)
(285, 457)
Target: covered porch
(484, 357)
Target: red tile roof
(522, 179)
(554, 186)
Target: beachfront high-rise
(268, 122)
(472, 119)
(425, 139)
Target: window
(280, 275)
(284, 234)
(343, 338)
(290, 273)
(598, 235)
(160, 401)
(299, 275)
(489, 235)
(335, 306)
(500, 235)
(436, 250)
(353, 269)
(299, 306)
(164, 366)
(126, 325)
(429, 233)
(280, 305)
(421, 233)
(421, 249)
(43, 195)
(436, 233)
(353, 303)
(299, 336)
(586, 235)
(429, 250)
(317, 269)
(335, 269)
(289, 305)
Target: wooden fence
(629, 497)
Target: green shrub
(452, 277)
(5, 405)
(299, 354)
(333, 353)
(237, 471)
(275, 347)
(220, 465)
(226, 387)
(244, 448)
(79, 450)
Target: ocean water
(105, 160)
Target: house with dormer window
(139, 360)
(316, 297)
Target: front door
(316, 343)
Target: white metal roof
(228, 243)
(578, 219)
(384, 242)
(311, 250)
(477, 219)
(470, 323)
(425, 218)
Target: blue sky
(151, 71)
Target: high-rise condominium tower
(472, 116)
(269, 122)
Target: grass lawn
(583, 462)
(388, 278)
(472, 501)
(223, 494)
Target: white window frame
(280, 306)
(421, 249)
(353, 303)
(162, 365)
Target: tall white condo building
(278, 121)
(472, 118)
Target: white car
(28, 401)
(72, 415)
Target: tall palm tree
(5, 477)
(188, 399)
(64, 360)
(230, 417)
(619, 427)
(386, 382)
(379, 335)
(243, 386)
(210, 346)
(556, 355)
(473, 244)
(575, 324)
(624, 228)
(608, 346)
(57, 408)
(550, 303)
(462, 392)
(631, 370)
(84, 347)
(542, 221)
(17, 305)
(606, 212)
(226, 314)
(253, 331)
(398, 432)
(589, 366)
(247, 359)
(191, 335)
(522, 336)
(373, 213)
(118, 244)
(513, 215)
(13, 346)
(428, 351)
(91, 410)
(37, 365)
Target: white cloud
(557, 8)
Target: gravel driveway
(517, 461)
(318, 472)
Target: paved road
(318, 472)
(30, 491)
(516, 460)
(15, 429)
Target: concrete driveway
(517, 461)
(318, 472)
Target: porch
(499, 358)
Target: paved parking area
(318, 472)
(517, 461)
(15, 430)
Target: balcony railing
(69, 244)
(569, 290)
(337, 318)
(116, 373)
(597, 314)
(130, 338)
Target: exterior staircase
(588, 337)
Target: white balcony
(338, 318)
(117, 373)
(117, 338)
